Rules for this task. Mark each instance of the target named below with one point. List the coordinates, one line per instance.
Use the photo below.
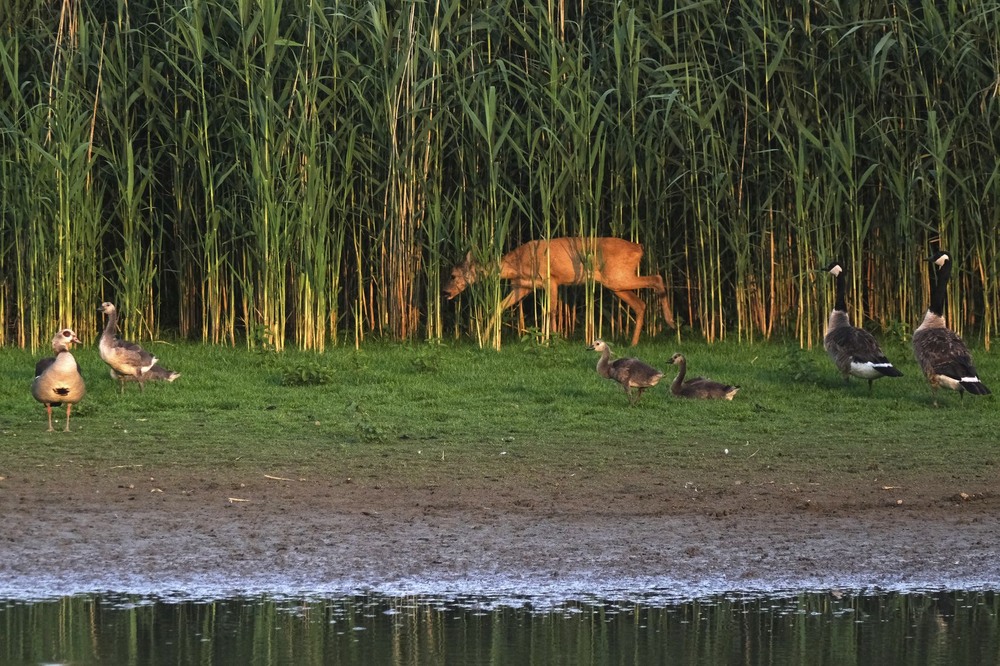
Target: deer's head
(462, 276)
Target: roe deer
(549, 264)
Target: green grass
(417, 412)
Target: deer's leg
(634, 302)
(553, 293)
(620, 285)
(659, 287)
(516, 294)
(661, 293)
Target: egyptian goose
(58, 379)
(854, 350)
(631, 373)
(126, 359)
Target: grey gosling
(942, 355)
(58, 379)
(631, 373)
(854, 350)
(126, 359)
(698, 387)
(155, 374)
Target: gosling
(631, 373)
(698, 387)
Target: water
(816, 628)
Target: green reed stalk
(494, 207)
(407, 112)
(435, 226)
(272, 159)
(58, 241)
(312, 237)
(12, 175)
(199, 205)
(237, 170)
(132, 270)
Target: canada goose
(698, 387)
(942, 355)
(124, 358)
(58, 379)
(631, 373)
(854, 350)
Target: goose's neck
(838, 319)
(111, 327)
(840, 304)
(839, 316)
(932, 320)
(939, 288)
(681, 370)
(604, 362)
(64, 360)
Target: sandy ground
(164, 531)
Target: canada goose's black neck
(838, 316)
(840, 304)
(939, 287)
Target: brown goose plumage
(155, 374)
(853, 350)
(57, 379)
(631, 373)
(942, 355)
(698, 387)
(126, 359)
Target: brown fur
(549, 264)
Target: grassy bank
(419, 412)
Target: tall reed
(290, 172)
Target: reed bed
(289, 172)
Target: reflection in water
(822, 628)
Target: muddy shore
(168, 531)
